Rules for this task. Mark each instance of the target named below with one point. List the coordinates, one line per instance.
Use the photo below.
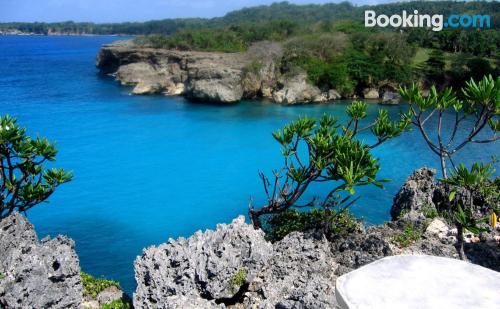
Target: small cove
(150, 167)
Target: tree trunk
(443, 165)
(460, 242)
(255, 218)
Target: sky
(128, 10)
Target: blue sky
(127, 10)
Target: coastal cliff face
(235, 267)
(44, 273)
(208, 76)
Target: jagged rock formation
(300, 274)
(391, 97)
(208, 76)
(371, 94)
(297, 89)
(414, 196)
(298, 271)
(202, 266)
(37, 274)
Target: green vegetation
(238, 279)
(329, 42)
(254, 67)
(292, 220)
(24, 181)
(410, 234)
(350, 61)
(325, 151)
(234, 38)
(462, 210)
(93, 286)
(479, 112)
(117, 304)
(429, 211)
(478, 116)
(2, 276)
(321, 14)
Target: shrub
(93, 286)
(479, 110)
(429, 211)
(24, 181)
(254, 67)
(410, 234)
(117, 304)
(238, 279)
(292, 220)
(325, 151)
(460, 208)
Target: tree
(434, 67)
(333, 154)
(481, 108)
(24, 181)
(460, 208)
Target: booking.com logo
(435, 22)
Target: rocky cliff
(208, 76)
(234, 266)
(37, 274)
(46, 273)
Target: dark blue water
(149, 168)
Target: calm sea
(147, 168)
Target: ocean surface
(147, 168)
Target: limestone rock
(361, 248)
(297, 89)
(371, 94)
(261, 74)
(214, 85)
(438, 228)
(416, 194)
(175, 89)
(300, 274)
(391, 98)
(333, 94)
(109, 295)
(37, 274)
(200, 266)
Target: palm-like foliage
(461, 211)
(24, 181)
(481, 108)
(332, 153)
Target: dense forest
(332, 45)
(328, 41)
(300, 14)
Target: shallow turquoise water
(150, 168)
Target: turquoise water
(149, 167)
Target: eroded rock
(300, 274)
(37, 274)
(371, 94)
(415, 196)
(391, 98)
(201, 266)
(297, 89)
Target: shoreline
(64, 34)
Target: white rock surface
(419, 281)
(438, 228)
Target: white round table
(419, 282)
